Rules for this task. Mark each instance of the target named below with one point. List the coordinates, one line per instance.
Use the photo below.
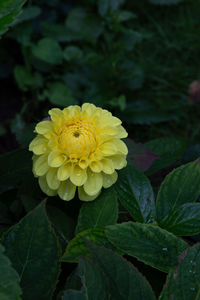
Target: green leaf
(119, 102)
(98, 213)
(63, 224)
(23, 35)
(72, 53)
(165, 2)
(25, 79)
(184, 282)
(169, 150)
(184, 220)
(124, 280)
(181, 186)
(28, 13)
(32, 247)
(148, 243)
(77, 248)
(94, 284)
(61, 95)
(9, 279)
(58, 32)
(149, 115)
(24, 132)
(49, 51)
(105, 5)
(75, 295)
(9, 11)
(125, 15)
(14, 167)
(84, 25)
(135, 193)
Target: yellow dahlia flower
(78, 147)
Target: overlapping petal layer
(78, 147)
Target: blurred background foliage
(135, 58)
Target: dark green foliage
(184, 281)
(98, 213)
(94, 283)
(9, 279)
(14, 166)
(77, 248)
(136, 59)
(33, 249)
(9, 11)
(125, 282)
(169, 151)
(135, 193)
(181, 186)
(148, 243)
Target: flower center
(76, 134)
(78, 139)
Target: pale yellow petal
(56, 159)
(52, 179)
(38, 145)
(119, 161)
(93, 184)
(83, 162)
(109, 180)
(64, 171)
(108, 148)
(74, 110)
(40, 165)
(109, 121)
(85, 197)
(120, 146)
(107, 166)
(45, 188)
(44, 127)
(67, 190)
(78, 176)
(88, 109)
(56, 115)
(110, 131)
(96, 166)
(121, 132)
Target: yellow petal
(52, 179)
(119, 161)
(85, 197)
(83, 162)
(107, 166)
(111, 131)
(74, 110)
(122, 133)
(93, 184)
(78, 176)
(45, 188)
(56, 159)
(109, 180)
(56, 115)
(40, 165)
(121, 146)
(64, 172)
(44, 127)
(67, 190)
(108, 148)
(96, 166)
(109, 120)
(88, 109)
(38, 145)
